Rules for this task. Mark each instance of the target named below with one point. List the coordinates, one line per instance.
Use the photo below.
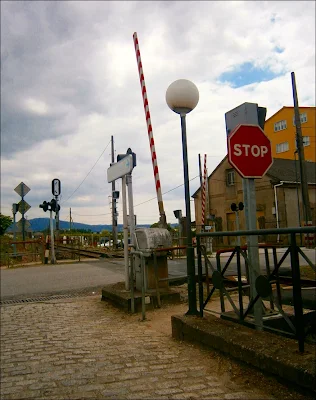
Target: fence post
(200, 277)
(297, 294)
(219, 269)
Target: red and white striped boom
(150, 133)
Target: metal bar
(190, 251)
(306, 229)
(266, 254)
(287, 319)
(125, 228)
(307, 259)
(131, 285)
(228, 261)
(250, 305)
(276, 274)
(203, 250)
(207, 278)
(241, 308)
(218, 263)
(142, 264)
(237, 312)
(200, 277)
(209, 296)
(156, 280)
(297, 294)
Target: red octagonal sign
(249, 151)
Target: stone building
(278, 197)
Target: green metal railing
(262, 283)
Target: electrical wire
(147, 201)
(87, 174)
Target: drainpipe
(276, 206)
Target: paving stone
(85, 348)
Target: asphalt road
(51, 279)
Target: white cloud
(70, 81)
(36, 106)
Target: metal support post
(114, 211)
(14, 232)
(22, 212)
(53, 260)
(237, 227)
(190, 251)
(301, 156)
(297, 294)
(131, 208)
(252, 244)
(125, 229)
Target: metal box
(149, 240)
(246, 113)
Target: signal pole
(114, 211)
(300, 151)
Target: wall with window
(281, 130)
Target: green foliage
(5, 222)
(156, 225)
(74, 231)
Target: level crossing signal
(50, 206)
(237, 207)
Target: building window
(306, 141)
(280, 125)
(282, 147)
(303, 118)
(230, 177)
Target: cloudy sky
(69, 80)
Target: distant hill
(40, 224)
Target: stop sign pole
(249, 152)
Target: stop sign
(249, 151)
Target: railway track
(91, 253)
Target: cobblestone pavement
(85, 348)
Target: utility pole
(70, 219)
(301, 156)
(201, 186)
(114, 211)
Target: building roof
(282, 170)
(283, 109)
(289, 170)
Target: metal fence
(290, 316)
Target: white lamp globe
(182, 96)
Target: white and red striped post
(204, 190)
(163, 220)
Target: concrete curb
(268, 352)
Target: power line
(147, 201)
(87, 173)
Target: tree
(157, 225)
(5, 222)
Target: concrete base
(119, 297)
(271, 353)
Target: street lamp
(182, 97)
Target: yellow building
(280, 128)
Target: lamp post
(182, 96)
